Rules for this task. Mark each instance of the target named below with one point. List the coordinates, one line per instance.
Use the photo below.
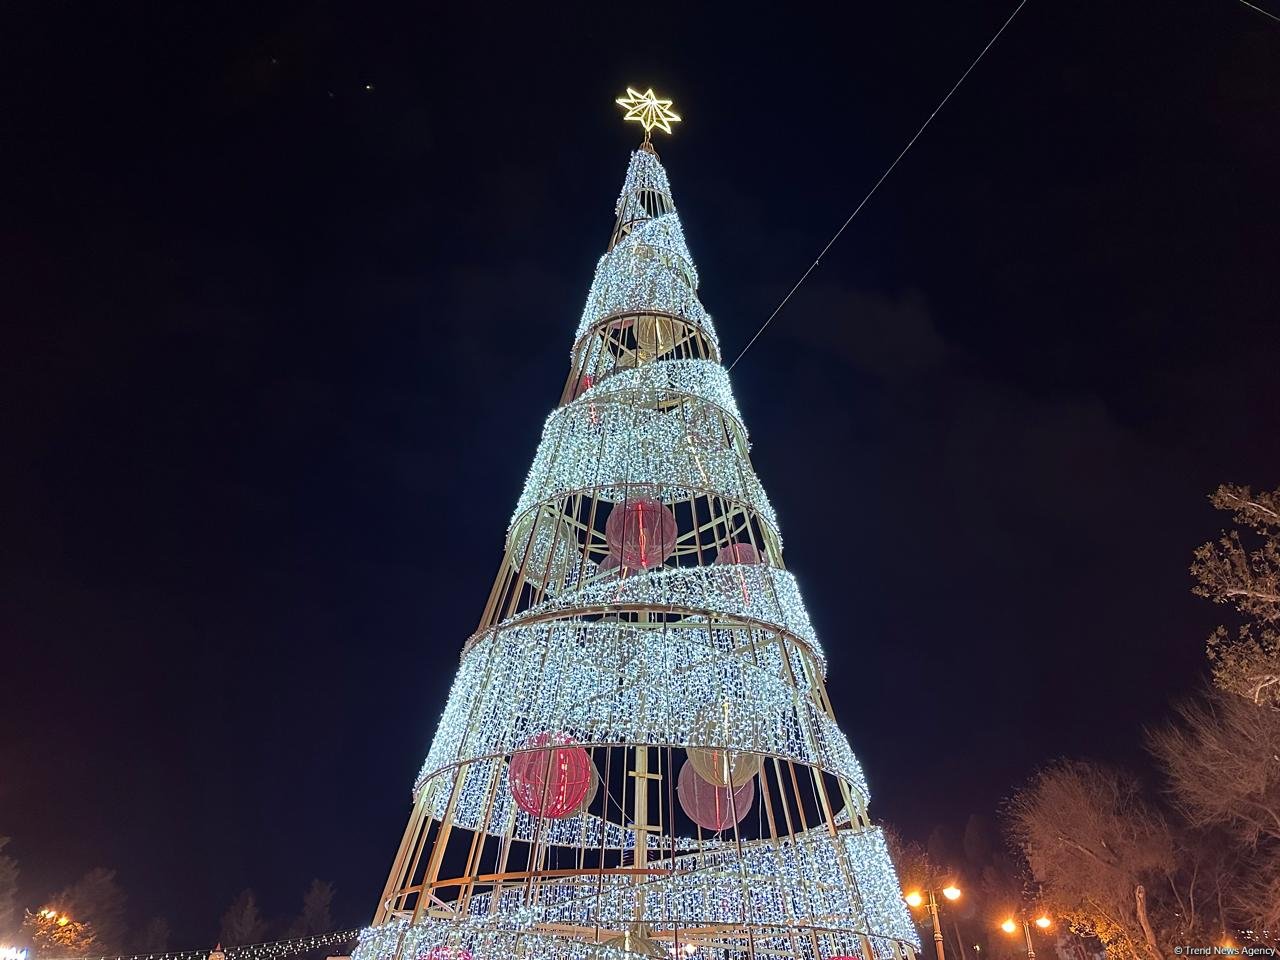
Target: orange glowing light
(1043, 922)
(1009, 926)
(914, 899)
(952, 892)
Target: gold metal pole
(937, 927)
(1026, 929)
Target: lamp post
(1011, 926)
(915, 898)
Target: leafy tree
(10, 914)
(242, 923)
(98, 900)
(56, 934)
(1220, 757)
(154, 937)
(1242, 568)
(1222, 754)
(315, 916)
(1096, 848)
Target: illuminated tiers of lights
(503, 688)
(618, 434)
(643, 274)
(704, 647)
(813, 876)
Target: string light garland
(274, 950)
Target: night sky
(289, 289)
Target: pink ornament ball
(641, 533)
(712, 807)
(550, 776)
(739, 553)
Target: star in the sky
(648, 111)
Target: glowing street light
(1011, 926)
(915, 898)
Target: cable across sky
(876, 186)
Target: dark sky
(278, 348)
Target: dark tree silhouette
(10, 912)
(98, 900)
(314, 917)
(242, 923)
(154, 937)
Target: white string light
(273, 950)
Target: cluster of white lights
(578, 678)
(676, 379)
(614, 448)
(637, 276)
(645, 177)
(672, 423)
(747, 591)
(843, 887)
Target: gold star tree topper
(648, 110)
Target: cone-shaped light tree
(638, 756)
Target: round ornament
(724, 768)
(591, 794)
(543, 547)
(712, 807)
(739, 553)
(655, 335)
(637, 940)
(550, 776)
(641, 533)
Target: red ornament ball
(641, 533)
(712, 807)
(550, 776)
(739, 553)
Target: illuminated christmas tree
(638, 756)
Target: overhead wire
(883, 177)
(1265, 13)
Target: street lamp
(1011, 926)
(915, 898)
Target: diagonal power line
(883, 177)
(1265, 13)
